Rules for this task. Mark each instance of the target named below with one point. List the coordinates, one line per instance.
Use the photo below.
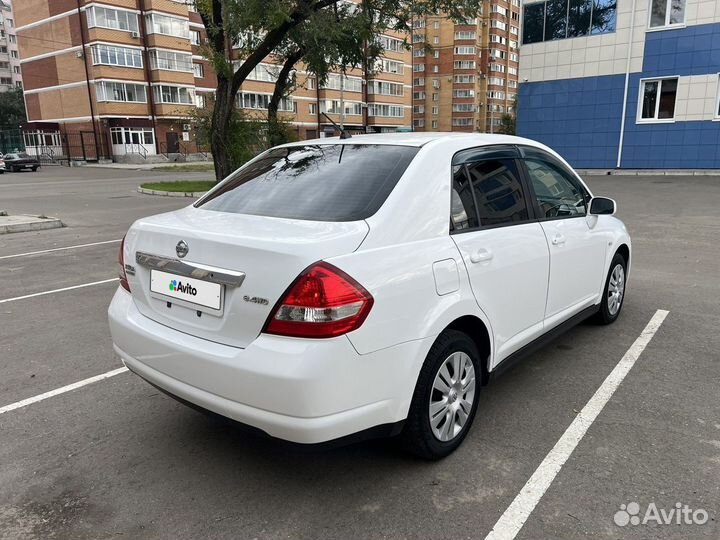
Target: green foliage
(12, 108)
(182, 186)
(507, 124)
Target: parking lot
(118, 459)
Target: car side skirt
(541, 341)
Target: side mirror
(602, 206)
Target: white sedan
(367, 286)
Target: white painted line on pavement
(58, 290)
(513, 519)
(58, 249)
(64, 389)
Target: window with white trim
(464, 79)
(385, 88)
(120, 91)
(418, 68)
(166, 25)
(464, 93)
(434, 124)
(463, 107)
(465, 50)
(391, 44)
(418, 95)
(657, 100)
(263, 72)
(389, 66)
(111, 18)
(350, 84)
(198, 71)
(200, 101)
(110, 55)
(312, 108)
(464, 64)
(251, 100)
(462, 122)
(388, 111)
(127, 135)
(194, 37)
(419, 81)
(332, 106)
(667, 13)
(170, 61)
(178, 95)
(465, 34)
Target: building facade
(465, 75)
(10, 73)
(623, 83)
(123, 77)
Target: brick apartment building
(465, 76)
(10, 74)
(120, 78)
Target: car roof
(419, 139)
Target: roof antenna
(343, 134)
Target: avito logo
(178, 286)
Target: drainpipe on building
(151, 97)
(87, 82)
(627, 84)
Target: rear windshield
(334, 182)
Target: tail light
(121, 261)
(322, 302)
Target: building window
(168, 26)
(198, 71)
(419, 123)
(463, 107)
(436, 40)
(312, 108)
(418, 109)
(349, 84)
(462, 122)
(391, 44)
(111, 18)
(560, 19)
(466, 34)
(249, 100)
(194, 37)
(385, 88)
(265, 73)
(418, 68)
(170, 61)
(464, 64)
(465, 50)
(419, 53)
(435, 111)
(434, 124)
(391, 66)
(418, 95)
(332, 106)
(419, 82)
(178, 95)
(14, 54)
(463, 93)
(465, 79)
(667, 13)
(389, 111)
(657, 100)
(436, 69)
(119, 91)
(116, 56)
(123, 135)
(200, 101)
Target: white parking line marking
(58, 249)
(58, 290)
(64, 389)
(513, 519)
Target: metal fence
(56, 148)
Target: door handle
(481, 255)
(558, 240)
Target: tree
(242, 33)
(507, 124)
(12, 109)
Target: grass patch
(191, 167)
(182, 185)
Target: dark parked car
(18, 162)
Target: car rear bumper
(304, 391)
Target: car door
(577, 249)
(501, 243)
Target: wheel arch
(624, 250)
(476, 330)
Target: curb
(648, 172)
(32, 223)
(192, 194)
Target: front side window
(333, 182)
(558, 193)
(657, 99)
(666, 13)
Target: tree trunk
(222, 115)
(281, 87)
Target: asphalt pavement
(118, 459)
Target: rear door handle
(481, 255)
(558, 240)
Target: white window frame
(105, 83)
(667, 24)
(155, 63)
(150, 25)
(716, 115)
(91, 16)
(158, 94)
(198, 70)
(639, 119)
(96, 53)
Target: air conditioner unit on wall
(135, 35)
(186, 127)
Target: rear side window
(334, 182)
(498, 192)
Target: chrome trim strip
(197, 271)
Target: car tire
(614, 292)
(423, 435)
(34, 169)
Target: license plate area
(188, 292)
